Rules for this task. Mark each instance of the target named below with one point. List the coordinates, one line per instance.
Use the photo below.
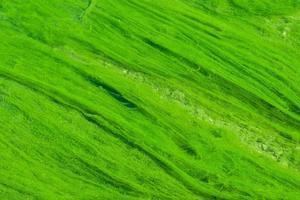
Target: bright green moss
(138, 99)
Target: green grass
(139, 99)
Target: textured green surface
(149, 99)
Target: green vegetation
(149, 99)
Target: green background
(149, 99)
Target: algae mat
(140, 99)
